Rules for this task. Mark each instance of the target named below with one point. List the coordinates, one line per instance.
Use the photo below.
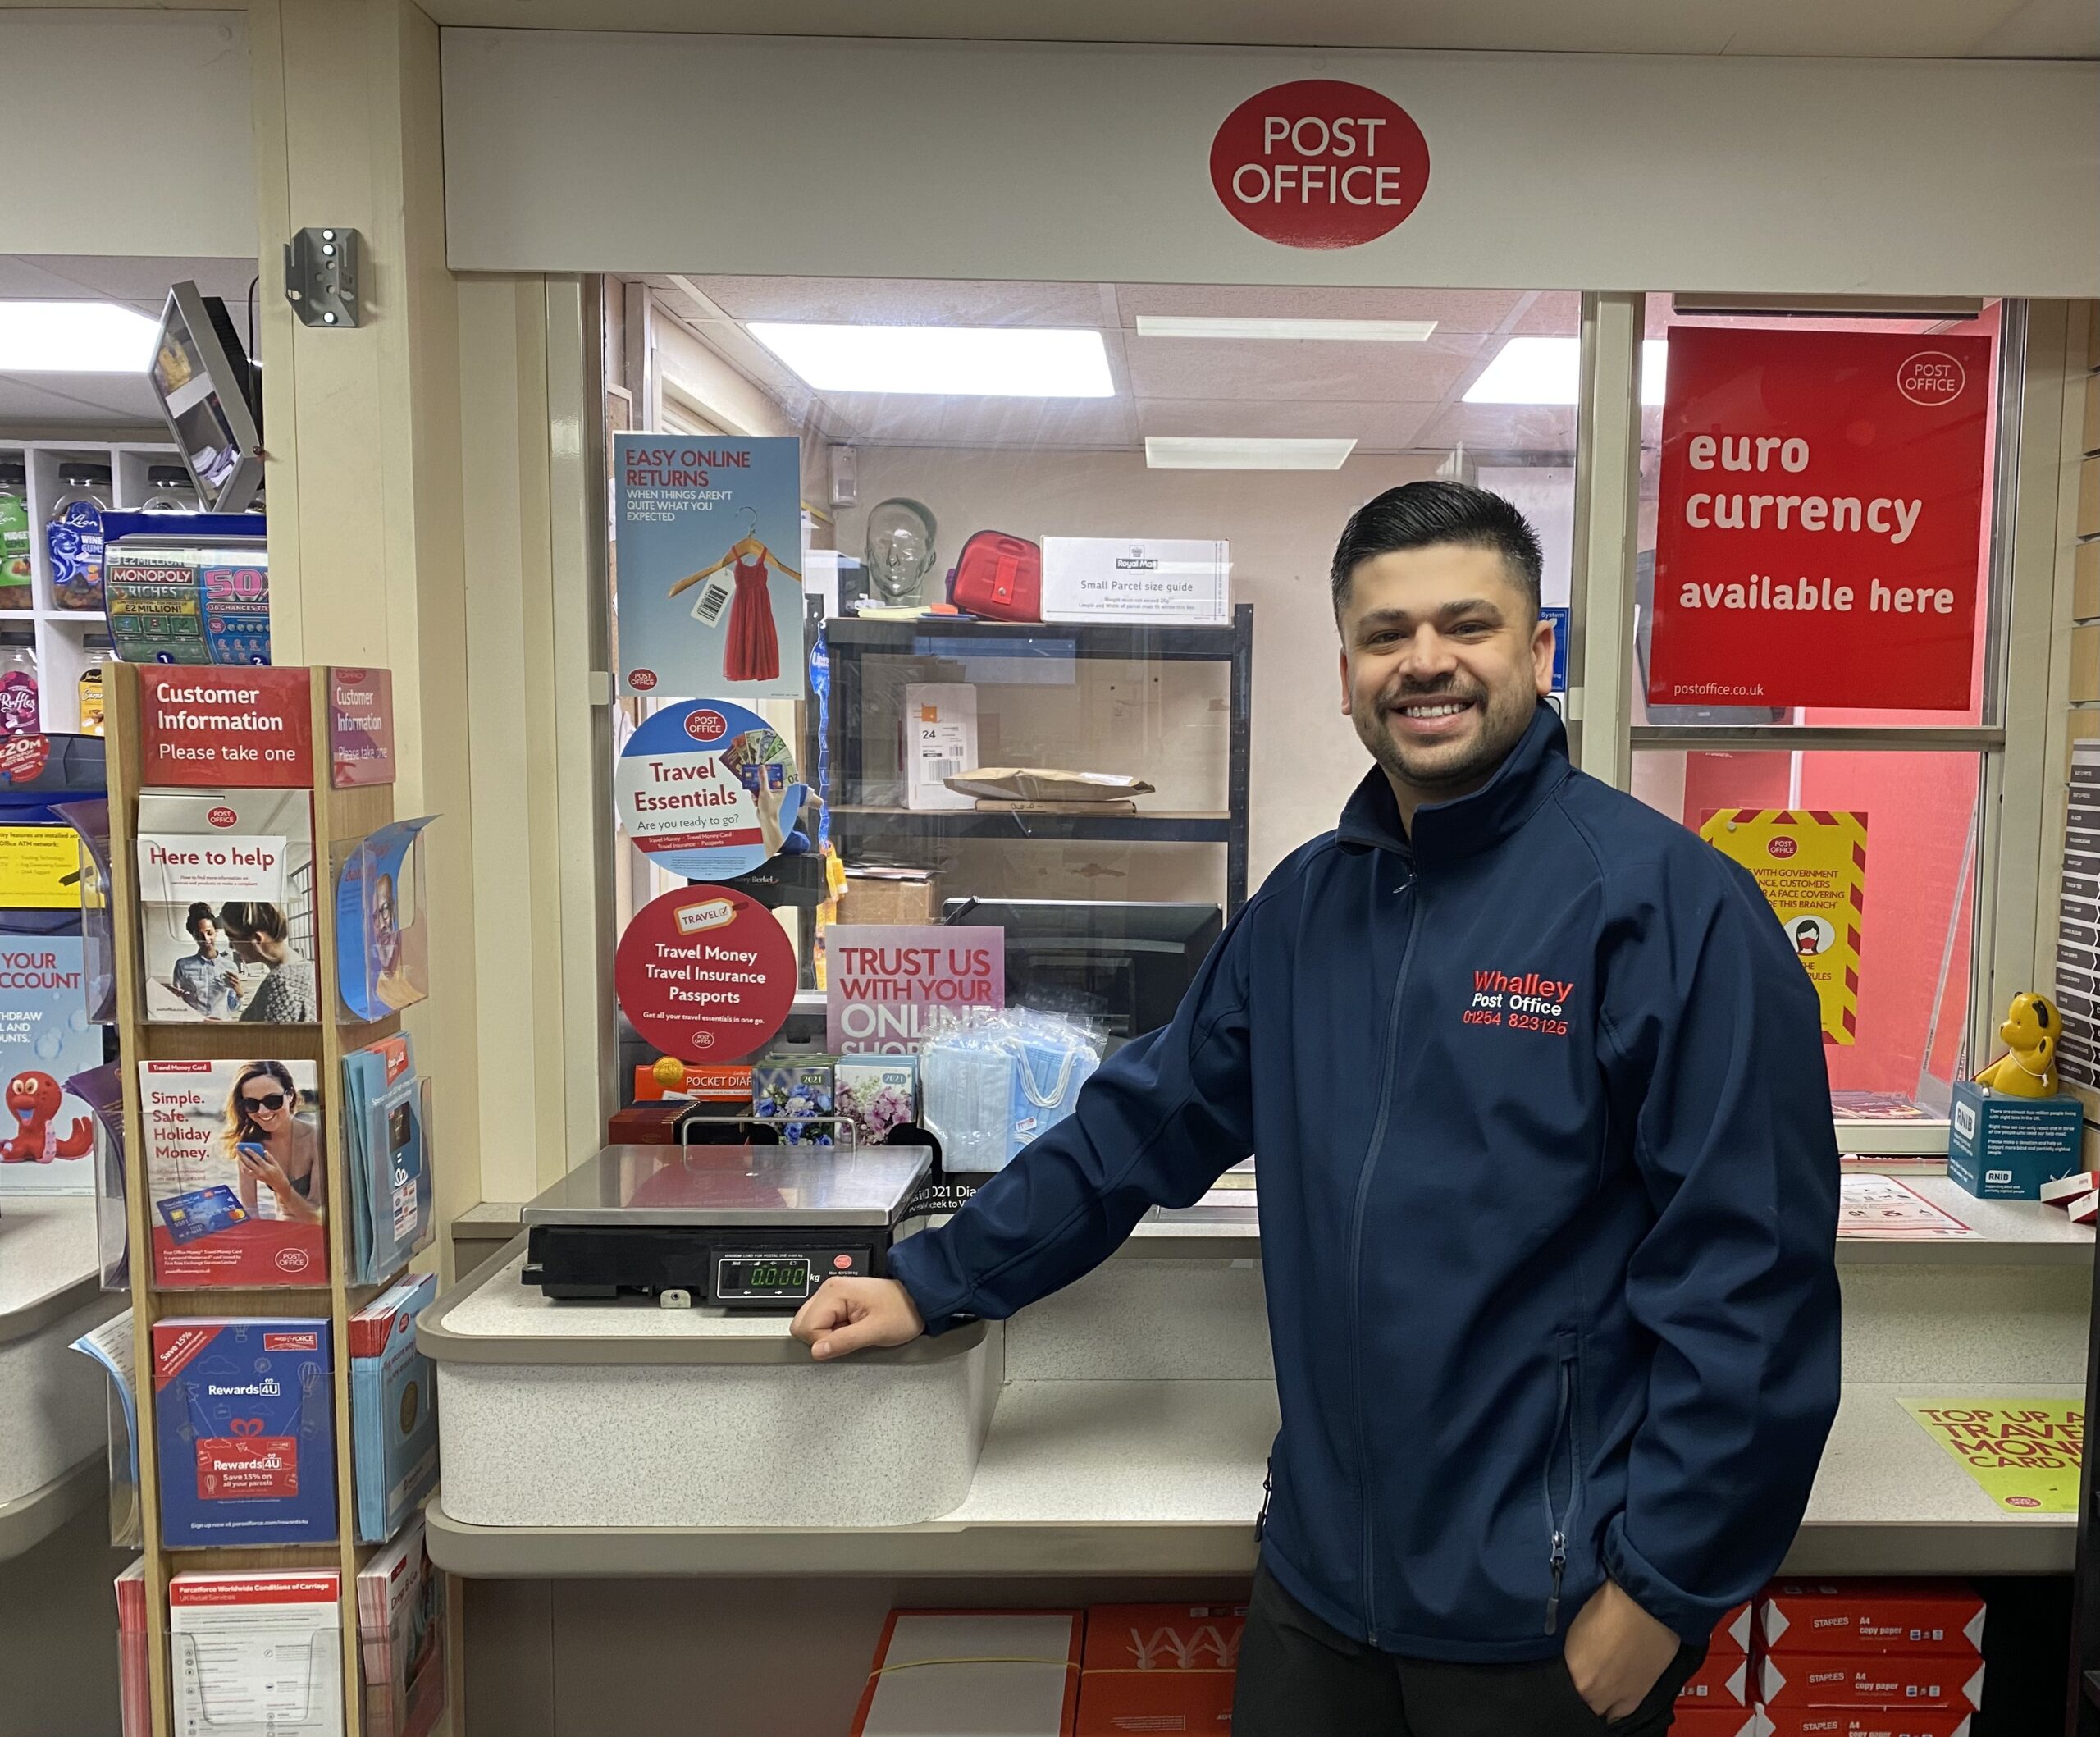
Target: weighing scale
(734, 1227)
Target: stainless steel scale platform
(732, 1226)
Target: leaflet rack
(340, 816)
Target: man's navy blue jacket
(1548, 1206)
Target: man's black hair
(1419, 515)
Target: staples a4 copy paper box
(1866, 1616)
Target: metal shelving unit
(852, 641)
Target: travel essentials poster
(47, 1140)
(708, 789)
(709, 560)
(1812, 865)
(1821, 518)
(2025, 1452)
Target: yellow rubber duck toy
(2030, 1031)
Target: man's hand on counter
(849, 1315)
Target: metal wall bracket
(321, 276)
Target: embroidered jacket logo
(1525, 1002)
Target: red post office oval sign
(1320, 163)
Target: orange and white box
(1159, 1668)
(1723, 1680)
(1732, 1632)
(1870, 1721)
(1715, 1722)
(1863, 1616)
(957, 1673)
(1886, 1679)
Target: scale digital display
(739, 1278)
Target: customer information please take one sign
(1820, 529)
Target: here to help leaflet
(258, 1654)
(393, 1408)
(244, 1412)
(385, 1127)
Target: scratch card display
(244, 1413)
(235, 1172)
(225, 889)
(382, 944)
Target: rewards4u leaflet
(710, 565)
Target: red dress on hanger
(753, 653)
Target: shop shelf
(859, 768)
(936, 636)
(857, 820)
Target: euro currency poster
(709, 565)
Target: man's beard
(1503, 718)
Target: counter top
(2009, 1233)
(1165, 1477)
(499, 1319)
(49, 1263)
(27, 1520)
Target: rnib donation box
(2003, 1148)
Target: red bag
(999, 577)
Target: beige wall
(126, 132)
(1282, 526)
(1058, 162)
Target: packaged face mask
(993, 1083)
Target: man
(1548, 1194)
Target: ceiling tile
(62, 400)
(142, 281)
(1375, 428)
(1454, 310)
(1794, 27)
(1204, 367)
(904, 301)
(1533, 428)
(907, 419)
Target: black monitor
(1122, 966)
(210, 399)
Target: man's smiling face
(1443, 661)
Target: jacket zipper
(1268, 1495)
(1411, 888)
(1558, 1523)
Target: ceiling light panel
(1332, 332)
(74, 338)
(1549, 371)
(944, 361)
(1208, 452)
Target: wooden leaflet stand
(340, 817)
